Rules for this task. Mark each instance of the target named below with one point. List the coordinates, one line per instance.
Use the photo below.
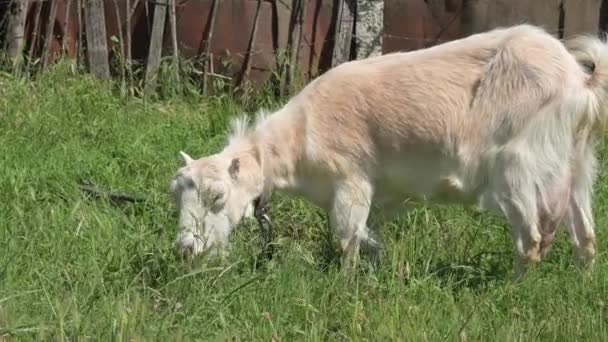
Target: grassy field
(73, 267)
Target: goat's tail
(591, 53)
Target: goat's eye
(216, 198)
(190, 183)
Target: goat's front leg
(348, 218)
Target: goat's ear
(185, 158)
(233, 170)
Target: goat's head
(212, 195)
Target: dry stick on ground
(156, 41)
(121, 42)
(115, 196)
(15, 37)
(35, 32)
(254, 32)
(64, 41)
(173, 25)
(48, 39)
(207, 47)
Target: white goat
(504, 119)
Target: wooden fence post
(48, 40)
(121, 40)
(344, 32)
(173, 23)
(35, 33)
(97, 47)
(156, 41)
(581, 17)
(298, 10)
(16, 30)
(64, 40)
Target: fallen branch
(115, 196)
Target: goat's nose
(188, 244)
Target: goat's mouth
(189, 243)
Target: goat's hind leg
(522, 214)
(580, 212)
(553, 209)
(514, 194)
(581, 228)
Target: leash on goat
(261, 215)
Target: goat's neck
(280, 140)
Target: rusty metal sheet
(68, 21)
(318, 37)
(116, 24)
(486, 15)
(415, 24)
(231, 35)
(581, 16)
(283, 10)
(231, 41)
(58, 36)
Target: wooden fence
(244, 40)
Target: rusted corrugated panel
(65, 20)
(141, 26)
(231, 40)
(318, 40)
(318, 30)
(231, 35)
(581, 16)
(115, 25)
(486, 15)
(68, 21)
(415, 24)
(283, 9)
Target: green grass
(72, 267)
